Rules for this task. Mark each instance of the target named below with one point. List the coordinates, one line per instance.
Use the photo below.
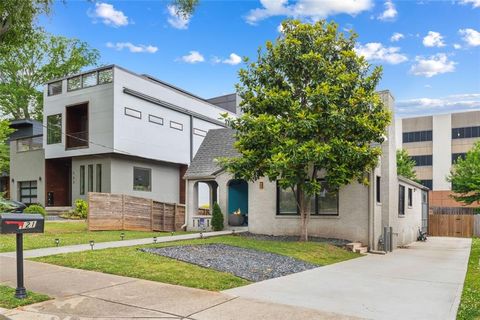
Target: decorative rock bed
(249, 264)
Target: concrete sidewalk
(82, 295)
(117, 244)
(424, 281)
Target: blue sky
(430, 50)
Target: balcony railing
(77, 139)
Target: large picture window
(142, 179)
(28, 192)
(325, 203)
(54, 129)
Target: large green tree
(17, 19)
(309, 109)
(405, 165)
(465, 177)
(25, 68)
(5, 132)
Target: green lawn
(8, 300)
(131, 262)
(470, 304)
(70, 233)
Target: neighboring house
(112, 130)
(434, 143)
(23, 128)
(356, 213)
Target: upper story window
(455, 156)
(421, 161)
(466, 132)
(29, 144)
(90, 79)
(55, 88)
(417, 136)
(54, 129)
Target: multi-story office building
(111, 130)
(434, 143)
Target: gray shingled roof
(218, 143)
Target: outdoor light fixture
(233, 231)
(92, 243)
(201, 235)
(57, 241)
(122, 235)
(154, 239)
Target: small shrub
(81, 208)
(35, 208)
(217, 218)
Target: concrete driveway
(423, 281)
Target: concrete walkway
(117, 244)
(424, 281)
(83, 295)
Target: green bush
(35, 208)
(81, 208)
(217, 218)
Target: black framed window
(155, 119)
(90, 178)
(325, 203)
(417, 136)
(54, 129)
(455, 156)
(377, 188)
(466, 132)
(28, 192)
(420, 161)
(82, 180)
(133, 113)
(142, 179)
(427, 183)
(410, 197)
(55, 88)
(98, 178)
(401, 200)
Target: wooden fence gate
(108, 211)
(451, 225)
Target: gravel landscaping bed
(249, 264)
(335, 242)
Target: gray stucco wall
(165, 179)
(27, 166)
(105, 161)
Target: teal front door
(238, 196)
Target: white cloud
(457, 46)
(375, 51)
(433, 39)
(451, 103)
(233, 59)
(397, 36)
(109, 15)
(470, 36)
(475, 3)
(307, 9)
(132, 47)
(432, 66)
(176, 20)
(193, 57)
(390, 12)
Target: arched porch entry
(237, 200)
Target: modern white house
(356, 212)
(112, 130)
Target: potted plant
(236, 218)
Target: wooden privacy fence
(108, 211)
(454, 225)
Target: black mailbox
(21, 223)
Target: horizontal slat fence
(107, 211)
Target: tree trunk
(304, 208)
